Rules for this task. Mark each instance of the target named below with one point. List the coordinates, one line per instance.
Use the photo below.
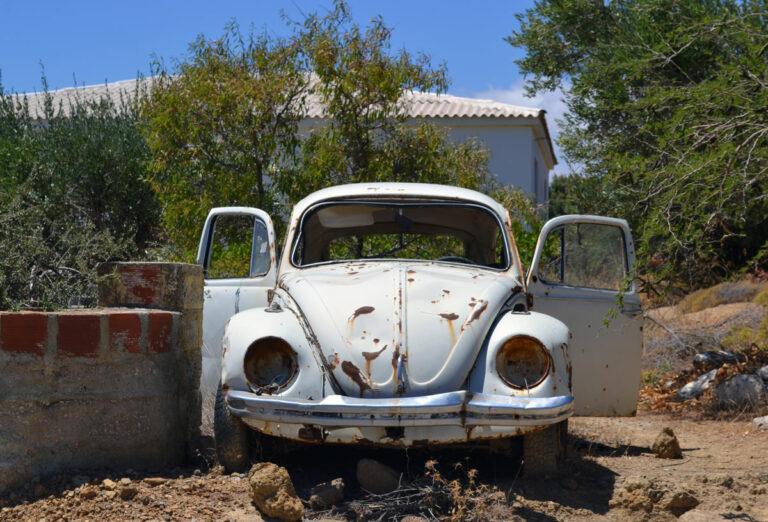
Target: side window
(585, 255)
(239, 248)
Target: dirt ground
(610, 474)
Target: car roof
(399, 190)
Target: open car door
(237, 251)
(580, 275)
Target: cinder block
(124, 331)
(160, 332)
(79, 334)
(24, 332)
(168, 286)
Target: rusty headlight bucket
(523, 362)
(270, 365)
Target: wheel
(544, 450)
(232, 437)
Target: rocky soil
(611, 474)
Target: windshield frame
(421, 202)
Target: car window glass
(585, 255)
(239, 248)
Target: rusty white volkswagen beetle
(399, 315)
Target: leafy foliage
(72, 193)
(221, 124)
(667, 118)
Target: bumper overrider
(459, 408)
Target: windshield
(362, 230)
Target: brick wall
(111, 387)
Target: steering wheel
(456, 259)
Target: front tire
(544, 450)
(232, 437)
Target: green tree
(221, 125)
(73, 193)
(667, 117)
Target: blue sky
(98, 41)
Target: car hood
(370, 317)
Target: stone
(108, 484)
(680, 502)
(377, 478)
(327, 494)
(273, 492)
(760, 423)
(714, 359)
(666, 445)
(128, 492)
(111, 494)
(155, 481)
(695, 388)
(763, 374)
(125, 481)
(740, 391)
(89, 492)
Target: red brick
(141, 283)
(24, 332)
(79, 335)
(125, 331)
(160, 330)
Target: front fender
(552, 333)
(249, 326)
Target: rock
(763, 374)
(108, 484)
(760, 423)
(695, 388)
(89, 492)
(377, 478)
(666, 445)
(739, 391)
(125, 481)
(680, 502)
(111, 494)
(155, 481)
(714, 359)
(273, 492)
(128, 492)
(327, 494)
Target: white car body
(402, 352)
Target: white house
(521, 152)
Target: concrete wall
(105, 387)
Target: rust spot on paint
(395, 357)
(354, 373)
(410, 271)
(446, 291)
(476, 313)
(411, 280)
(361, 311)
(334, 362)
(450, 317)
(352, 273)
(369, 357)
(375, 341)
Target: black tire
(232, 437)
(544, 450)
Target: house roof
(417, 104)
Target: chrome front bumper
(460, 408)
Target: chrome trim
(452, 408)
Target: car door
(580, 274)
(237, 251)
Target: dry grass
(724, 293)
